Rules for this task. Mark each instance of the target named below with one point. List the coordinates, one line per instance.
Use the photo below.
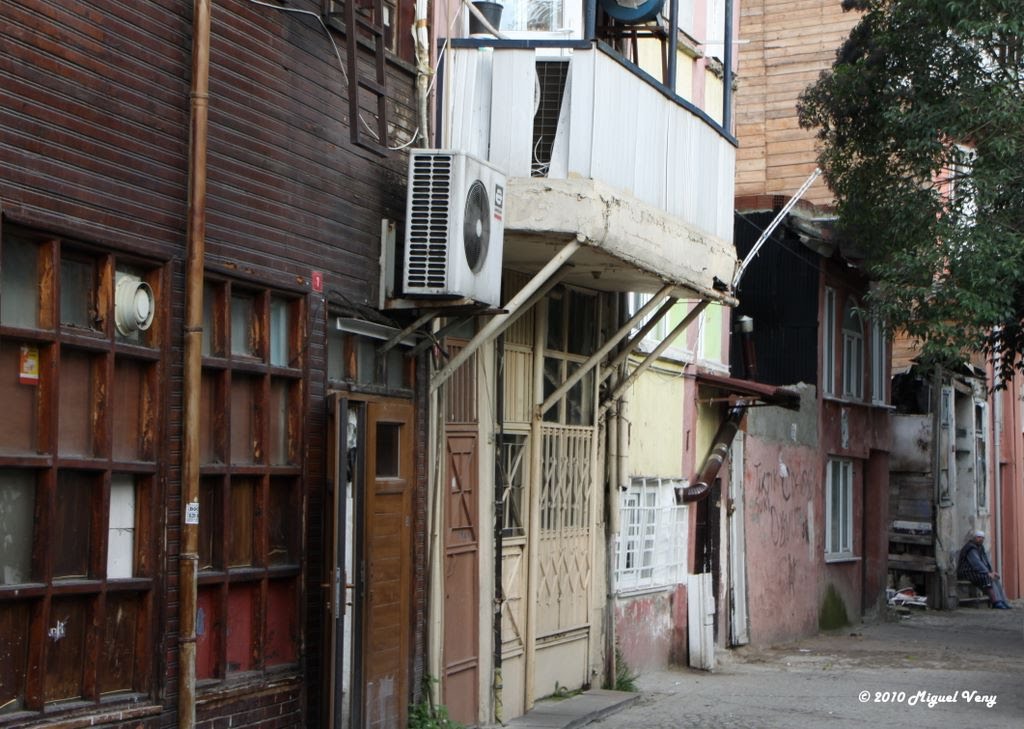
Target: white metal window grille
(839, 508)
(828, 344)
(651, 547)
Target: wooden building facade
(302, 414)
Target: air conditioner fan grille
(430, 203)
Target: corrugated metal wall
(779, 291)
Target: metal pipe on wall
(500, 491)
(421, 35)
(727, 52)
(188, 558)
(536, 445)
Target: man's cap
(979, 533)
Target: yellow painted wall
(713, 90)
(708, 419)
(711, 334)
(649, 53)
(656, 417)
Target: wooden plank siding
(786, 44)
(94, 141)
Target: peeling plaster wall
(783, 510)
(651, 629)
(790, 586)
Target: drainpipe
(727, 55)
(533, 521)
(423, 70)
(611, 460)
(188, 559)
(997, 470)
(500, 490)
(727, 430)
(615, 468)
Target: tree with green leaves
(921, 128)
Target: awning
(735, 391)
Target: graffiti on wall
(780, 497)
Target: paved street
(932, 669)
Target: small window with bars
(551, 78)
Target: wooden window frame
(398, 41)
(251, 595)
(345, 336)
(113, 655)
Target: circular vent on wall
(476, 226)
(133, 304)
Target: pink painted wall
(787, 575)
(784, 542)
(651, 629)
(1009, 500)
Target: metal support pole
(515, 309)
(653, 356)
(597, 356)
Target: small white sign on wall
(192, 513)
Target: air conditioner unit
(454, 226)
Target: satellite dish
(476, 226)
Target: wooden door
(386, 567)
(461, 576)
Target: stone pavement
(962, 668)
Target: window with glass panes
(250, 491)
(572, 330)
(81, 452)
(853, 352)
(361, 357)
(839, 508)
